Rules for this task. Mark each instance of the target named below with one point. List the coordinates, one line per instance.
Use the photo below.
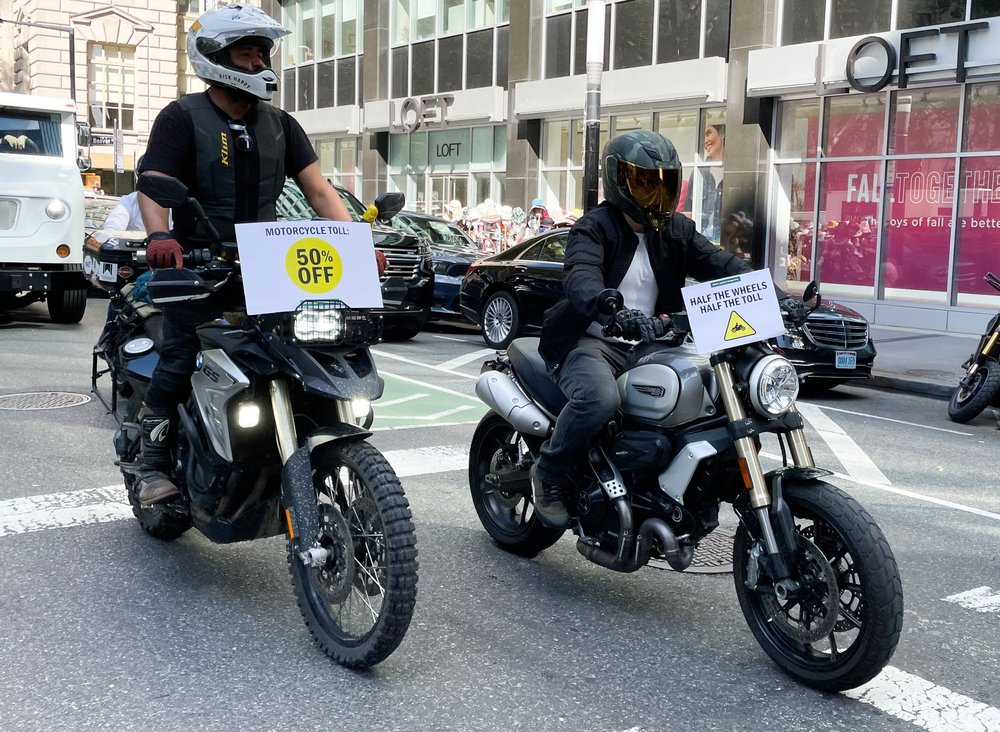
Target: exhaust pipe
(505, 397)
(652, 529)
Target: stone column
(753, 25)
(527, 20)
(375, 81)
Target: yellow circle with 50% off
(314, 265)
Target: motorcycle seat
(533, 374)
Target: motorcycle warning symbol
(738, 327)
(721, 311)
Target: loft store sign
(901, 60)
(415, 113)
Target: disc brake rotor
(814, 615)
(332, 581)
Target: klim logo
(225, 148)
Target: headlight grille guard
(358, 326)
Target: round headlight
(774, 386)
(55, 209)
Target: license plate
(847, 359)
(8, 214)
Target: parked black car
(452, 251)
(507, 294)
(408, 282)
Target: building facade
(850, 141)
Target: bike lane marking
(427, 406)
(853, 458)
(462, 360)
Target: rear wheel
(507, 515)
(500, 321)
(967, 403)
(843, 627)
(67, 306)
(359, 601)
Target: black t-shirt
(171, 147)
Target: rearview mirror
(609, 301)
(163, 189)
(389, 204)
(812, 293)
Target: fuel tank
(669, 387)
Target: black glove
(637, 326)
(796, 310)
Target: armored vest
(233, 184)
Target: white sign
(733, 311)
(286, 262)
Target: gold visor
(655, 190)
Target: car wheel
(500, 320)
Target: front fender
(298, 494)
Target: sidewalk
(919, 362)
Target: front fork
(756, 484)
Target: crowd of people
(495, 227)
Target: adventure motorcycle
(980, 387)
(269, 440)
(816, 580)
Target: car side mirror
(389, 204)
(163, 189)
(812, 293)
(609, 301)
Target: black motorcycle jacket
(599, 251)
(234, 186)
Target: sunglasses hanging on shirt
(244, 143)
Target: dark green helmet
(642, 177)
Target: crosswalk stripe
(853, 458)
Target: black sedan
(507, 295)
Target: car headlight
(55, 209)
(774, 385)
(318, 325)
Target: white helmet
(217, 30)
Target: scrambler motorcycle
(816, 580)
(272, 439)
(980, 387)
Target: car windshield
(292, 204)
(441, 234)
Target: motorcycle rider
(233, 150)
(633, 242)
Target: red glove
(380, 262)
(163, 250)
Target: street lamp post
(72, 46)
(592, 109)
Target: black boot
(154, 483)
(548, 501)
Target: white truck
(41, 205)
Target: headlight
(774, 386)
(55, 209)
(318, 325)
(360, 408)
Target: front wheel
(844, 626)
(507, 514)
(358, 602)
(967, 403)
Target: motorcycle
(272, 439)
(980, 387)
(815, 578)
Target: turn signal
(63, 250)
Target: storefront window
(628, 122)
(982, 118)
(916, 228)
(580, 139)
(924, 122)
(854, 125)
(848, 225)
(634, 37)
(555, 143)
(920, 13)
(482, 146)
(798, 129)
(794, 222)
(704, 186)
(979, 231)
(681, 128)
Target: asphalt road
(106, 628)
